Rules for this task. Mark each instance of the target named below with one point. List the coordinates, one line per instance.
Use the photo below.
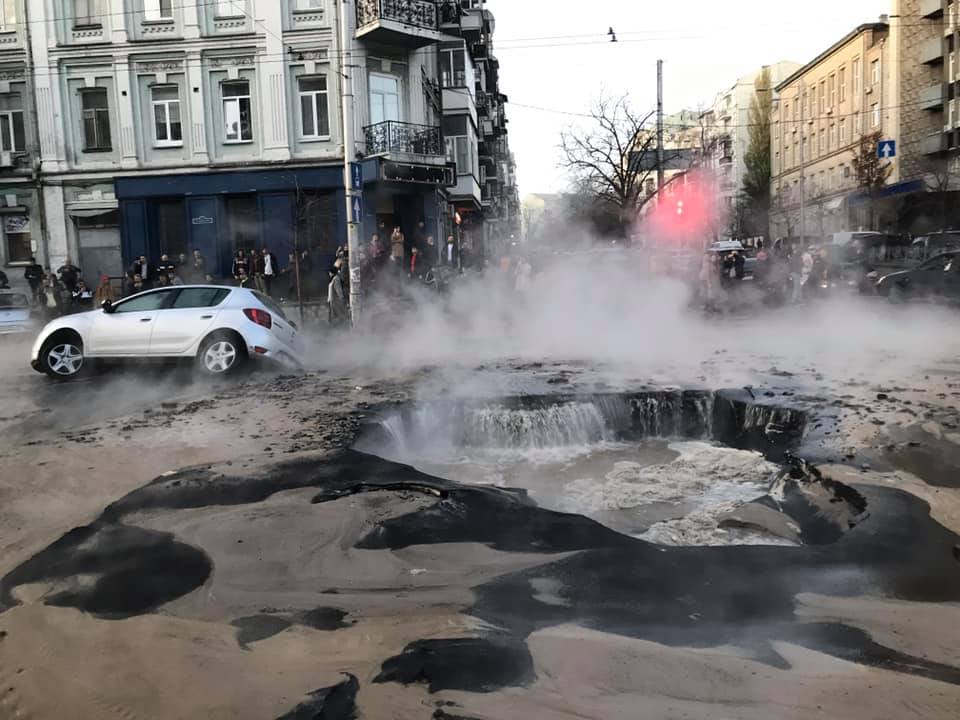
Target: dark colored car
(937, 279)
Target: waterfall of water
(559, 425)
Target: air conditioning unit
(6, 159)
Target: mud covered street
(275, 547)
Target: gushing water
(554, 426)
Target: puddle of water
(671, 493)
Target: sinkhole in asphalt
(691, 468)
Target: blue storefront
(282, 210)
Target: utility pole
(347, 108)
(803, 164)
(659, 127)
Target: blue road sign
(357, 207)
(887, 149)
(356, 176)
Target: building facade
(891, 79)
(217, 125)
(727, 124)
(20, 206)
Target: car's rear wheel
(221, 354)
(61, 357)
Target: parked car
(936, 243)
(15, 317)
(936, 279)
(220, 328)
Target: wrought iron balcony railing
(398, 137)
(419, 13)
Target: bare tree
(613, 160)
(871, 172)
(784, 210)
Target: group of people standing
(145, 275)
(61, 292)
(782, 274)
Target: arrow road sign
(357, 208)
(887, 149)
(356, 176)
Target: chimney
(885, 19)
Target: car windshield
(12, 300)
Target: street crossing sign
(356, 208)
(887, 149)
(356, 176)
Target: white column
(117, 21)
(126, 117)
(43, 37)
(198, 111)
(58, 246)
(191, 19)
(272, 80)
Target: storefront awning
(88, 211)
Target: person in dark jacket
(34, 276)
(69, 275)
(241, 266)
(143, 270)
(4, 282)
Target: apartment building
(727, 124)
(485, 198)
(887, 77)
(20, 208)
(165, 126)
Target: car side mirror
(107, 306)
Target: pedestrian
(174, 277)
(69, 275)
(524, 275)
(819, 274)
(142, 269)
(104, 292)
(198, 268)
(806, 267)
(34, 276)
(420, 236)
(416, 269)
(241, 266)
(290, 277)
(166, 266)
(52, 297)
(375, 250)
(739, 266)
(429, 256)
(82, 295)
(4, 281)
(450, 254)
(397, 247)
(709, 278)
(269, 270)
(336, 300)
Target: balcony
(409, 24)
(931, 9)
(933, 97)
(934, 144)
(397, 138)
(931, 52)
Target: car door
(951, 281)
(930, 279)
(125, 330)
(186, 320)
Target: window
(875, 114)
(231, 8)
(842, 83)
(309, 4)
(199, 298)
(166, 116)
(823, 96)
(857, 125)
(832, 90)
(8, 14)
(158, 9)
(823, 142)
(453, 67)
(16, 233)
(843, 131)
(86, 13)
(237, 122)
(12, 137)
(461, 146)
(384, 98)
(875, 72)
(857, 78)
(96, 119)
(812, 108)
(145, 303)
(314, 120)
(846, 171)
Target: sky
(555, 58)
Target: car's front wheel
(221, 354)
(61, 357)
